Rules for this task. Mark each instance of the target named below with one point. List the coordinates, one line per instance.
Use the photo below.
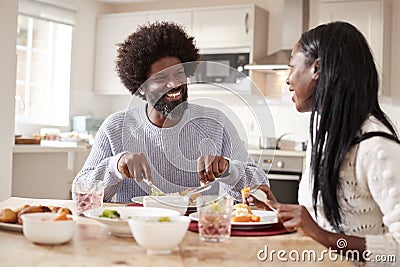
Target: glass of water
(215, 213)
(88, 195)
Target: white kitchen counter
(36, 168)
(276, 152)
(49, 149)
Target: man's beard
(173, 110)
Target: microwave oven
(228, 68)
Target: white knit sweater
(171, 152)
(370, 199)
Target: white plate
(11, 226)
(119, 226)
(267, 219)
(139, 200)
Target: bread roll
(8, 216)
(32, 209)
(64, 211)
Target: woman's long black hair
(346, 94)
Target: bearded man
(165, 141)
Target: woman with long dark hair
(349, 193)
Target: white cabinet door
(372, 18)
(111, 30)
(365, 15)
(183, 18)
(223, 27)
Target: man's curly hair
(148, 44)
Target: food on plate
(32, 209)
(21, 208)
(164, 219)
(245, 191)
(64, 211)
(242, 213)
(192, 198)
(8, 216)
(62, 217)
(156, 193)
(110, 214)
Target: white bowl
(159, 237)
(40, 228)
(119, 226)
(177, 203)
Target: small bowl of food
(159, 235)
(48, 228)
(177, 203)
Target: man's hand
(136, 166)
(211, 167)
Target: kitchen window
(44, 42)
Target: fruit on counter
(242, 213)
(110, 214)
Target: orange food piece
(255, 218)
(246, 218)
(241, 219)
(245, 191)
(62, 217)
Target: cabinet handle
(246, 23)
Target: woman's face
(302, 80)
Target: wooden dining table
(94, 245)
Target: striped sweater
(171, 152)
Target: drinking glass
(88, 195)
(215, 214)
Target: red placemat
(275, 229)
(134, 205)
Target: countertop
(62, 148)
(275, 152)
(92, 245)
(49, 149)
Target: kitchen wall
(8, 26)
(286, 118)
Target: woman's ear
(316, 70)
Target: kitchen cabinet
(112, 29)
(223, 27)
(373, 20)
(230, 29)
(181, 17)
(46, 172)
